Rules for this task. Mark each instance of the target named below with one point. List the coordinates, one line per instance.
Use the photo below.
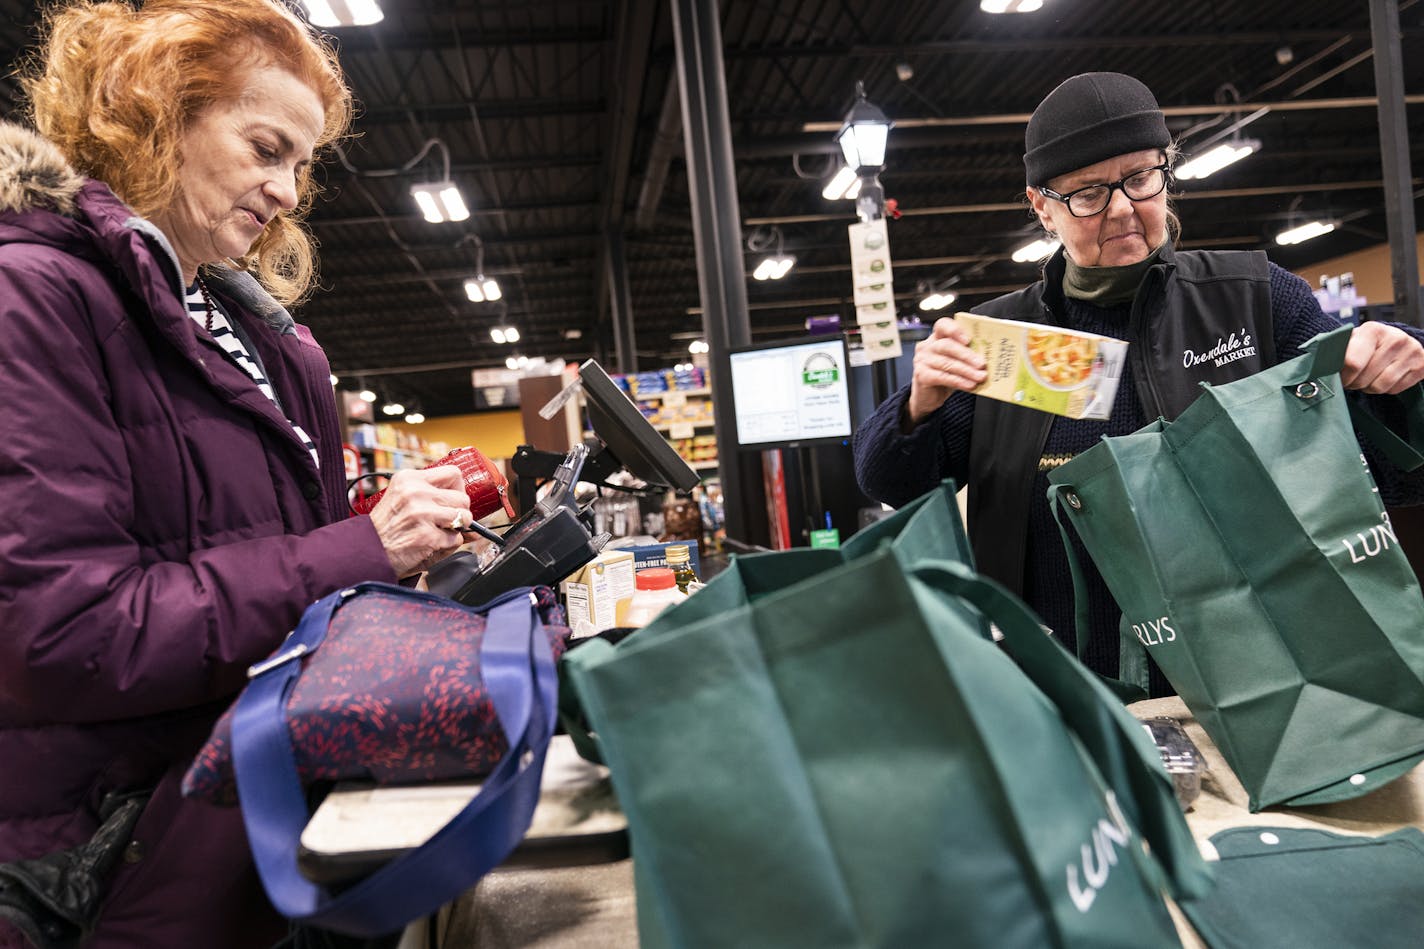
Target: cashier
(1098, 160)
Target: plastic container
(654, 590)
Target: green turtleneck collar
(1105, 286)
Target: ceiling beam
(1019, 45)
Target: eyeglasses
(1138, 186)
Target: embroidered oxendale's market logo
(1234, 347)
(820, 371)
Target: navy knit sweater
(897, 468)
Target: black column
(1394, 150)
(717, 226)
(624, 343)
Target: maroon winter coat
(161, 528)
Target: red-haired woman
(172, 474)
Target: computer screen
(628, 436)
(790, 393)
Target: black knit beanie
(1090, 118)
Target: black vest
(1199, 316)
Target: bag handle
(1131, 683)
(1128, 761)
(518, 670)
(1325, 356)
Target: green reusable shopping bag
(929, 527)
(849, 762)
(1252, 557)
(1290, 886)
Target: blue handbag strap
(518, 670)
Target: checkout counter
(570, 886)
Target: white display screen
(791, 393)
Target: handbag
(370, 707)
(1251, 555)
(393, 684)
(485, 485)
(849, 761)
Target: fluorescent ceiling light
(511, 334)
(1010, 6)
(773, 268)
(937, 301)
(480, 290)
(414, 418)
(343, 12)
(366, 395)
(844, 184)
(1304, 232)
(697, 346)
(511, 363)
(1035, 250)
(440, 201)
(393, 408)
(1213, 161)
(334, 379)
(497, 334)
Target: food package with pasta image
(1046, 367)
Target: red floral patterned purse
(395, 694)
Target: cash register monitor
(633, 442)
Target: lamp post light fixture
(440, 201)
(863, 135)
(343, 12)
(482, 290)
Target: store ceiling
(552, 111)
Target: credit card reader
(545, 545)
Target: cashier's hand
(418, 517)
(1380, 360)
(943, 363)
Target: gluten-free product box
(1046, 367)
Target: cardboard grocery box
(1046, 367)
(655, 555)
(598, 594)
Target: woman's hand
(1382, 360)
(943, 363)
(418, 517)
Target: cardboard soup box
(1046, 367)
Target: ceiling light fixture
(511, 363)
(863, 135)
(1304, 232)
(937, 301)
(414, 418)
(1035, 250)
(1010, 6)
(482, 290)
(393, 408)
(1212, 161)
(775, 266)
(697, 346)
(844, 184)
(366, 395)
(343, 12)
(504, 334)
(440, 201)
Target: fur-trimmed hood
(33, 173)
(35, 176)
